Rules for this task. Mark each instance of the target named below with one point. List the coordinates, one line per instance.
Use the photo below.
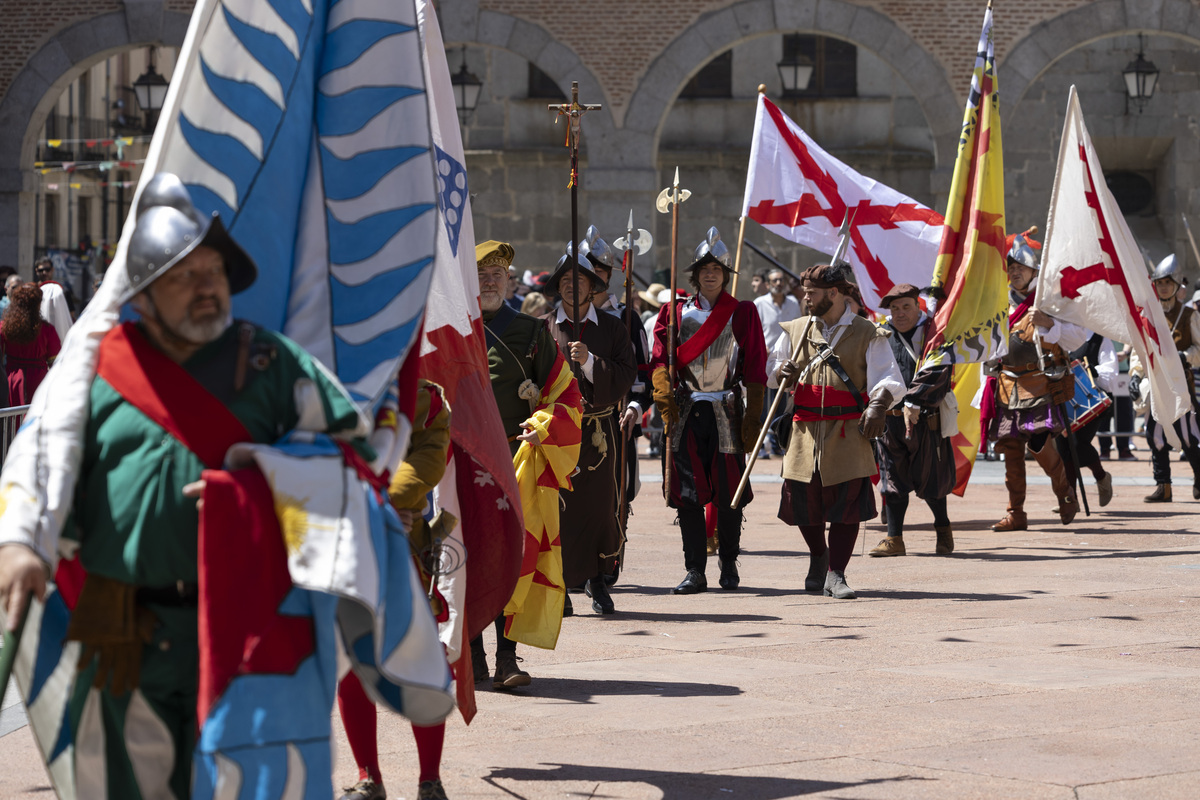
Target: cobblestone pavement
(1058, 662)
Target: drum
(1089, 402)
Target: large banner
(1093, 274)
(797, 190)
(971, 324)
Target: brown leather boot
(945, 540)
(1052, 464)
(1013, 451)
(1161, 494)
(1014, 520)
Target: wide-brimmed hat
(650, 296)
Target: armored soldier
(1022, 403)
(846, 380)
(913, 454)
(719, 354)
(172, 393)
(1185, 329)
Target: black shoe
(479, 663)
(431, 790)
(1196, 490)
(694, 583)
(568, 609)
(611, 579)
(729, 574)
(601, 600)
(817, 567)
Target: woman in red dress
(29, 343)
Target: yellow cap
(492, 253)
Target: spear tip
(630, 227)
(676, 177)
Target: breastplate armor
(712, 370)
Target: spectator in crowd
(28, 342)
(11, 281)
(759, 285)
(43, 273)
(535, 305)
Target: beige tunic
(835, 448)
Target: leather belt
(181, 594)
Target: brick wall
(26, 26)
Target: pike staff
(668, 201)
(574, 112)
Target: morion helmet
(1167, 268)
(713, 249)
(168, 227)
(598, 251)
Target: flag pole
(737, 254)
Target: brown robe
(588, 527)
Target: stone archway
(36, 88)
(1029, 59)
(865, 27)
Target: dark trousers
(503, 643)
(695, 536)
(1122, 411)
(1160, 457)
(897, 506)
(1088, 457)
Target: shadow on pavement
(1067, 553)
(654, 616)
(681, 785)
(900, 594)
(581, 690)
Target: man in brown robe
(599, 344)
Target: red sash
(721, 313)
(818, 403)
(168, 395)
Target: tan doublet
(835, 448)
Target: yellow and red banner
(971, 323)
(533, 615)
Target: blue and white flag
(305, 123)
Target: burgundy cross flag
(1093, 273)
(797, 190)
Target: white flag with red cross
(1093, 273)
(797, 190)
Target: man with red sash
(719, 351)
(1022, 401)
(847, 379)
(172, 393)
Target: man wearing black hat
(913, 454)
(599, 344)
(719, 350)
(846, 380)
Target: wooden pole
(737, 258)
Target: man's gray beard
(203, 332)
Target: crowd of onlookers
(34, 319)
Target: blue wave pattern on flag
(306, 127)
(45, 672)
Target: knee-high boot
(1052, 464)
(1013, 451)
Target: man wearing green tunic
(521, 355)
(171, 393)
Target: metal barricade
(10, 423)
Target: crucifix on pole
(574, 112)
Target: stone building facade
(647, 61)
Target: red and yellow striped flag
(971, 323)
(533, 615)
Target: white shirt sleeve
(883, 373)
(1107, 370)
(781, 352)
(589, 366)
(1066, 335)
(1193, 353)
